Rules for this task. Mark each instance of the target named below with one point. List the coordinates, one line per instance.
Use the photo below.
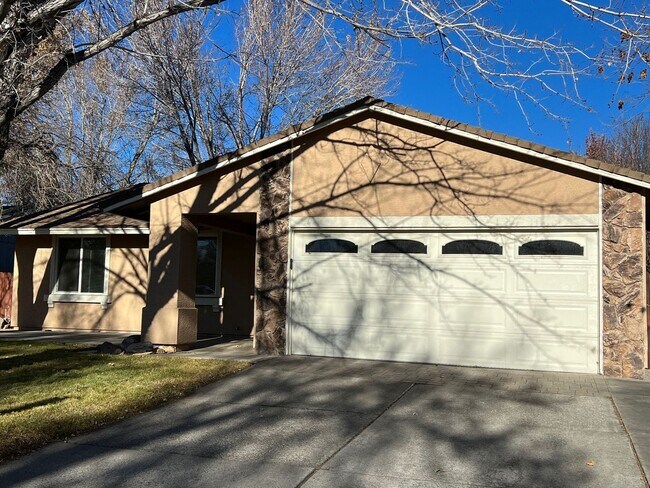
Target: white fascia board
(72, 231)
(511, 147)
(241, 157)
(447, 223)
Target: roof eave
(513, 147)
(379, 106)
(74, 231)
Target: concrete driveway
(318, 422)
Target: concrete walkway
(73, 336)
(632, 400)
(236, 349)
(318, 422)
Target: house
(374, 231)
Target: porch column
(170, 316)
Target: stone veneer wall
(272, 257)
(624, 307)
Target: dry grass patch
(49, 392)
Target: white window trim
(57, 296)
(214, 300)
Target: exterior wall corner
(623, 287)
(272, 258)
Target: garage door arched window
(332, 245)
(398, 246)
(551, 247)
(472, 246)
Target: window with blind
(81, 265)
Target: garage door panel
(477, 281)
(543, 354)
(471, 349)
(398, 277)
(323, 274)
(366, 344)
(561, 282)
(471, 316)
(362, 309)
(511, 311)
(556, 319)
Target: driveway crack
(644, 475)
(363, 429)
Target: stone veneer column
(624, 314)
(272, 257)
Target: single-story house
(374, 231)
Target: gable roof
(280, 140)
(81, 217)
(103, 208)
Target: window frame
(208, 299)
(475, 254)
(546, 255)
(341, 239)
(79, 296)
(389, 241)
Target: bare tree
(476, 48)
(166, 90)
(29, 65)
(284, 69)
(627, 146)
(626, 49)
(483, 52)
(88, 135)
(292, 65)
(176, 76)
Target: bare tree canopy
(38, 44)
(627, 146)
(169, 91)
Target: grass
(49, 392)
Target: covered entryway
(520, 299)
(225, 274)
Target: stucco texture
(167, 316)
(375, 168)
(126, 287)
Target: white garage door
(526, 300)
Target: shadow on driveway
(320, 422)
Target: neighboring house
(375, 231)
(7, 247)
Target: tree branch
(74, 57)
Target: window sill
(206, 301)
(101, 298)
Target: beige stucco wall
(127, 288)
(380, 169)
(170, 316)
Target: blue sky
(426, 84)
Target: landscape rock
(139, 348)
(109, 348)
(127, 341)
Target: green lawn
(49, 392)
